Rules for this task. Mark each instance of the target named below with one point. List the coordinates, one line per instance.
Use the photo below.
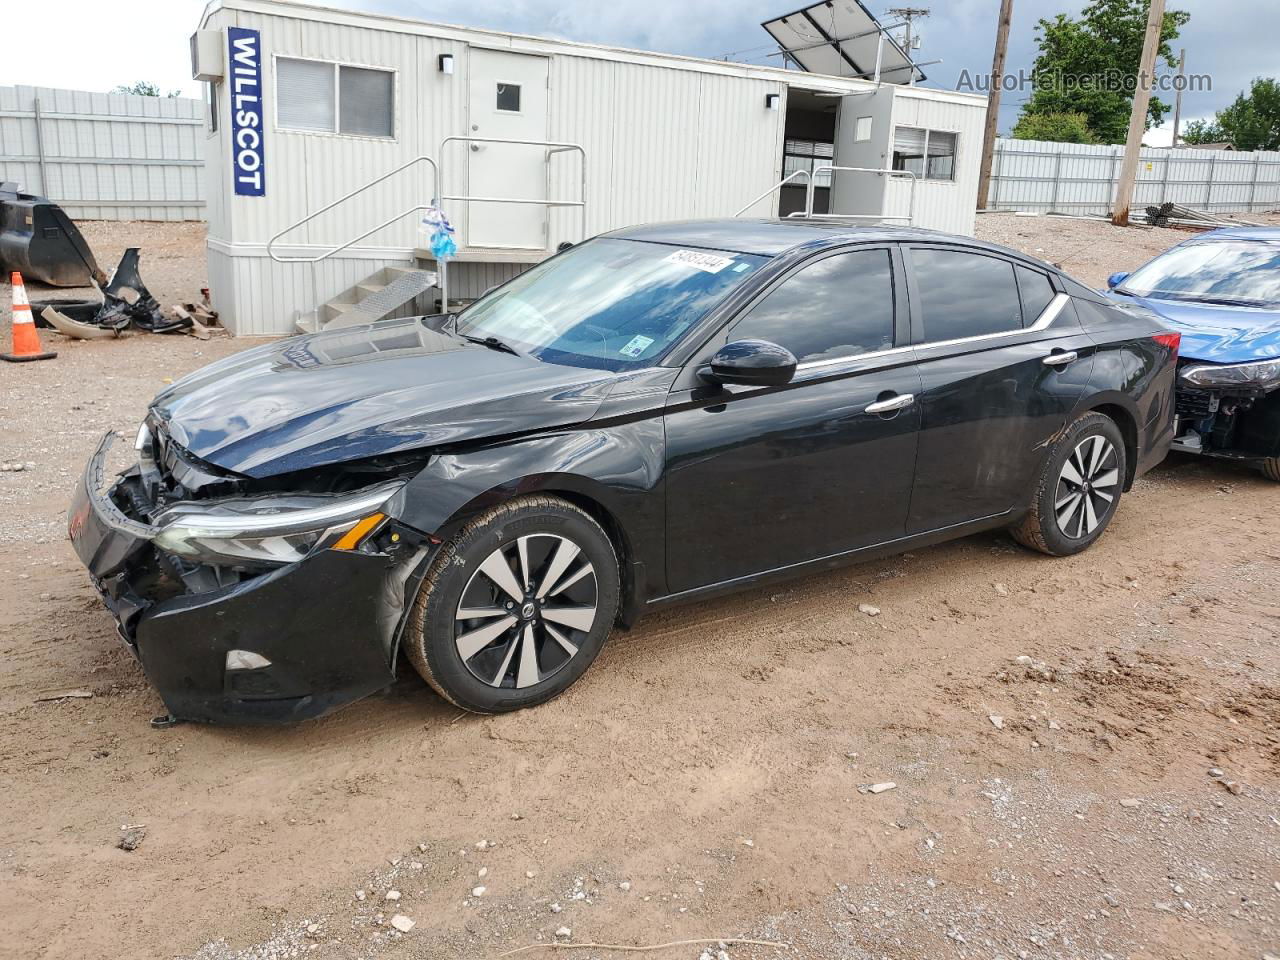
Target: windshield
(1222, 271)
(608, 304)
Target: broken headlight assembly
(271, 530)
(1261, 374)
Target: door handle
(893, 404)
(1060, 359)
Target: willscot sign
(248, 161)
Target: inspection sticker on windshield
(700, 260)
(636, 346)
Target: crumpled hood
(1216, 333)
(363, 391)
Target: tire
(1078, 490)
(1271, 468)
(525, 644)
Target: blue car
(1221, 291)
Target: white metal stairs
(384, 294)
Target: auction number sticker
(700, 260)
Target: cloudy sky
(101, 44)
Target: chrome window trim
(1043, 322)
(873, 355)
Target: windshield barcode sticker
(699, 260)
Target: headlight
(1264, 373)
(270, 530)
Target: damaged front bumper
(1238, 421)
(287, 644)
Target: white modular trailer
(310, 104)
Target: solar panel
(839, 38)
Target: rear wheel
(516, 606)
(1079, 488)
(1271, 468)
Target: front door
(1003, 362)
(508, 99)
(764, 478)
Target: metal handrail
(911, 201)
(552, 147)
(435, 180)
(777, 186)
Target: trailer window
(211, 101)
(368, 102)
(929, 154)
(806, 155)
(324, 97)
(305, 95)
(509, 97)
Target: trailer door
(864, 129)
(508, 99)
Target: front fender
(617, 468)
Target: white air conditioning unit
(206, 55)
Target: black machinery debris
(38, 240)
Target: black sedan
(659, 414)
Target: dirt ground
(1086, 751)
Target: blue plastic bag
(437, 225)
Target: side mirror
(1116, 279)
(753, 363)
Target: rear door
(760, 478)
(1003, 362)
(508, 99)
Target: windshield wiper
(1230, 302)
(493, 343)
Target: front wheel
(1079, 489)
(516, 607)
(1271, 468)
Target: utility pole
(993, 101)
(908, 14)
(1138, 118)
(1177, 103)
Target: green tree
(1252, 122)
(144, 88)
(1089, 65)
(1059, 127)
(1202, 131)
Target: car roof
(770, 238)
(1241, 233)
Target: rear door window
(1037, 293)
(839, 306)
(965, 294)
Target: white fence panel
(1045, 177)
(105, 156)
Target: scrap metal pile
(126, 302)
(40, 242)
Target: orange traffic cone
(26, 342)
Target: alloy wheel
(1087, 487)
(525, 611)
